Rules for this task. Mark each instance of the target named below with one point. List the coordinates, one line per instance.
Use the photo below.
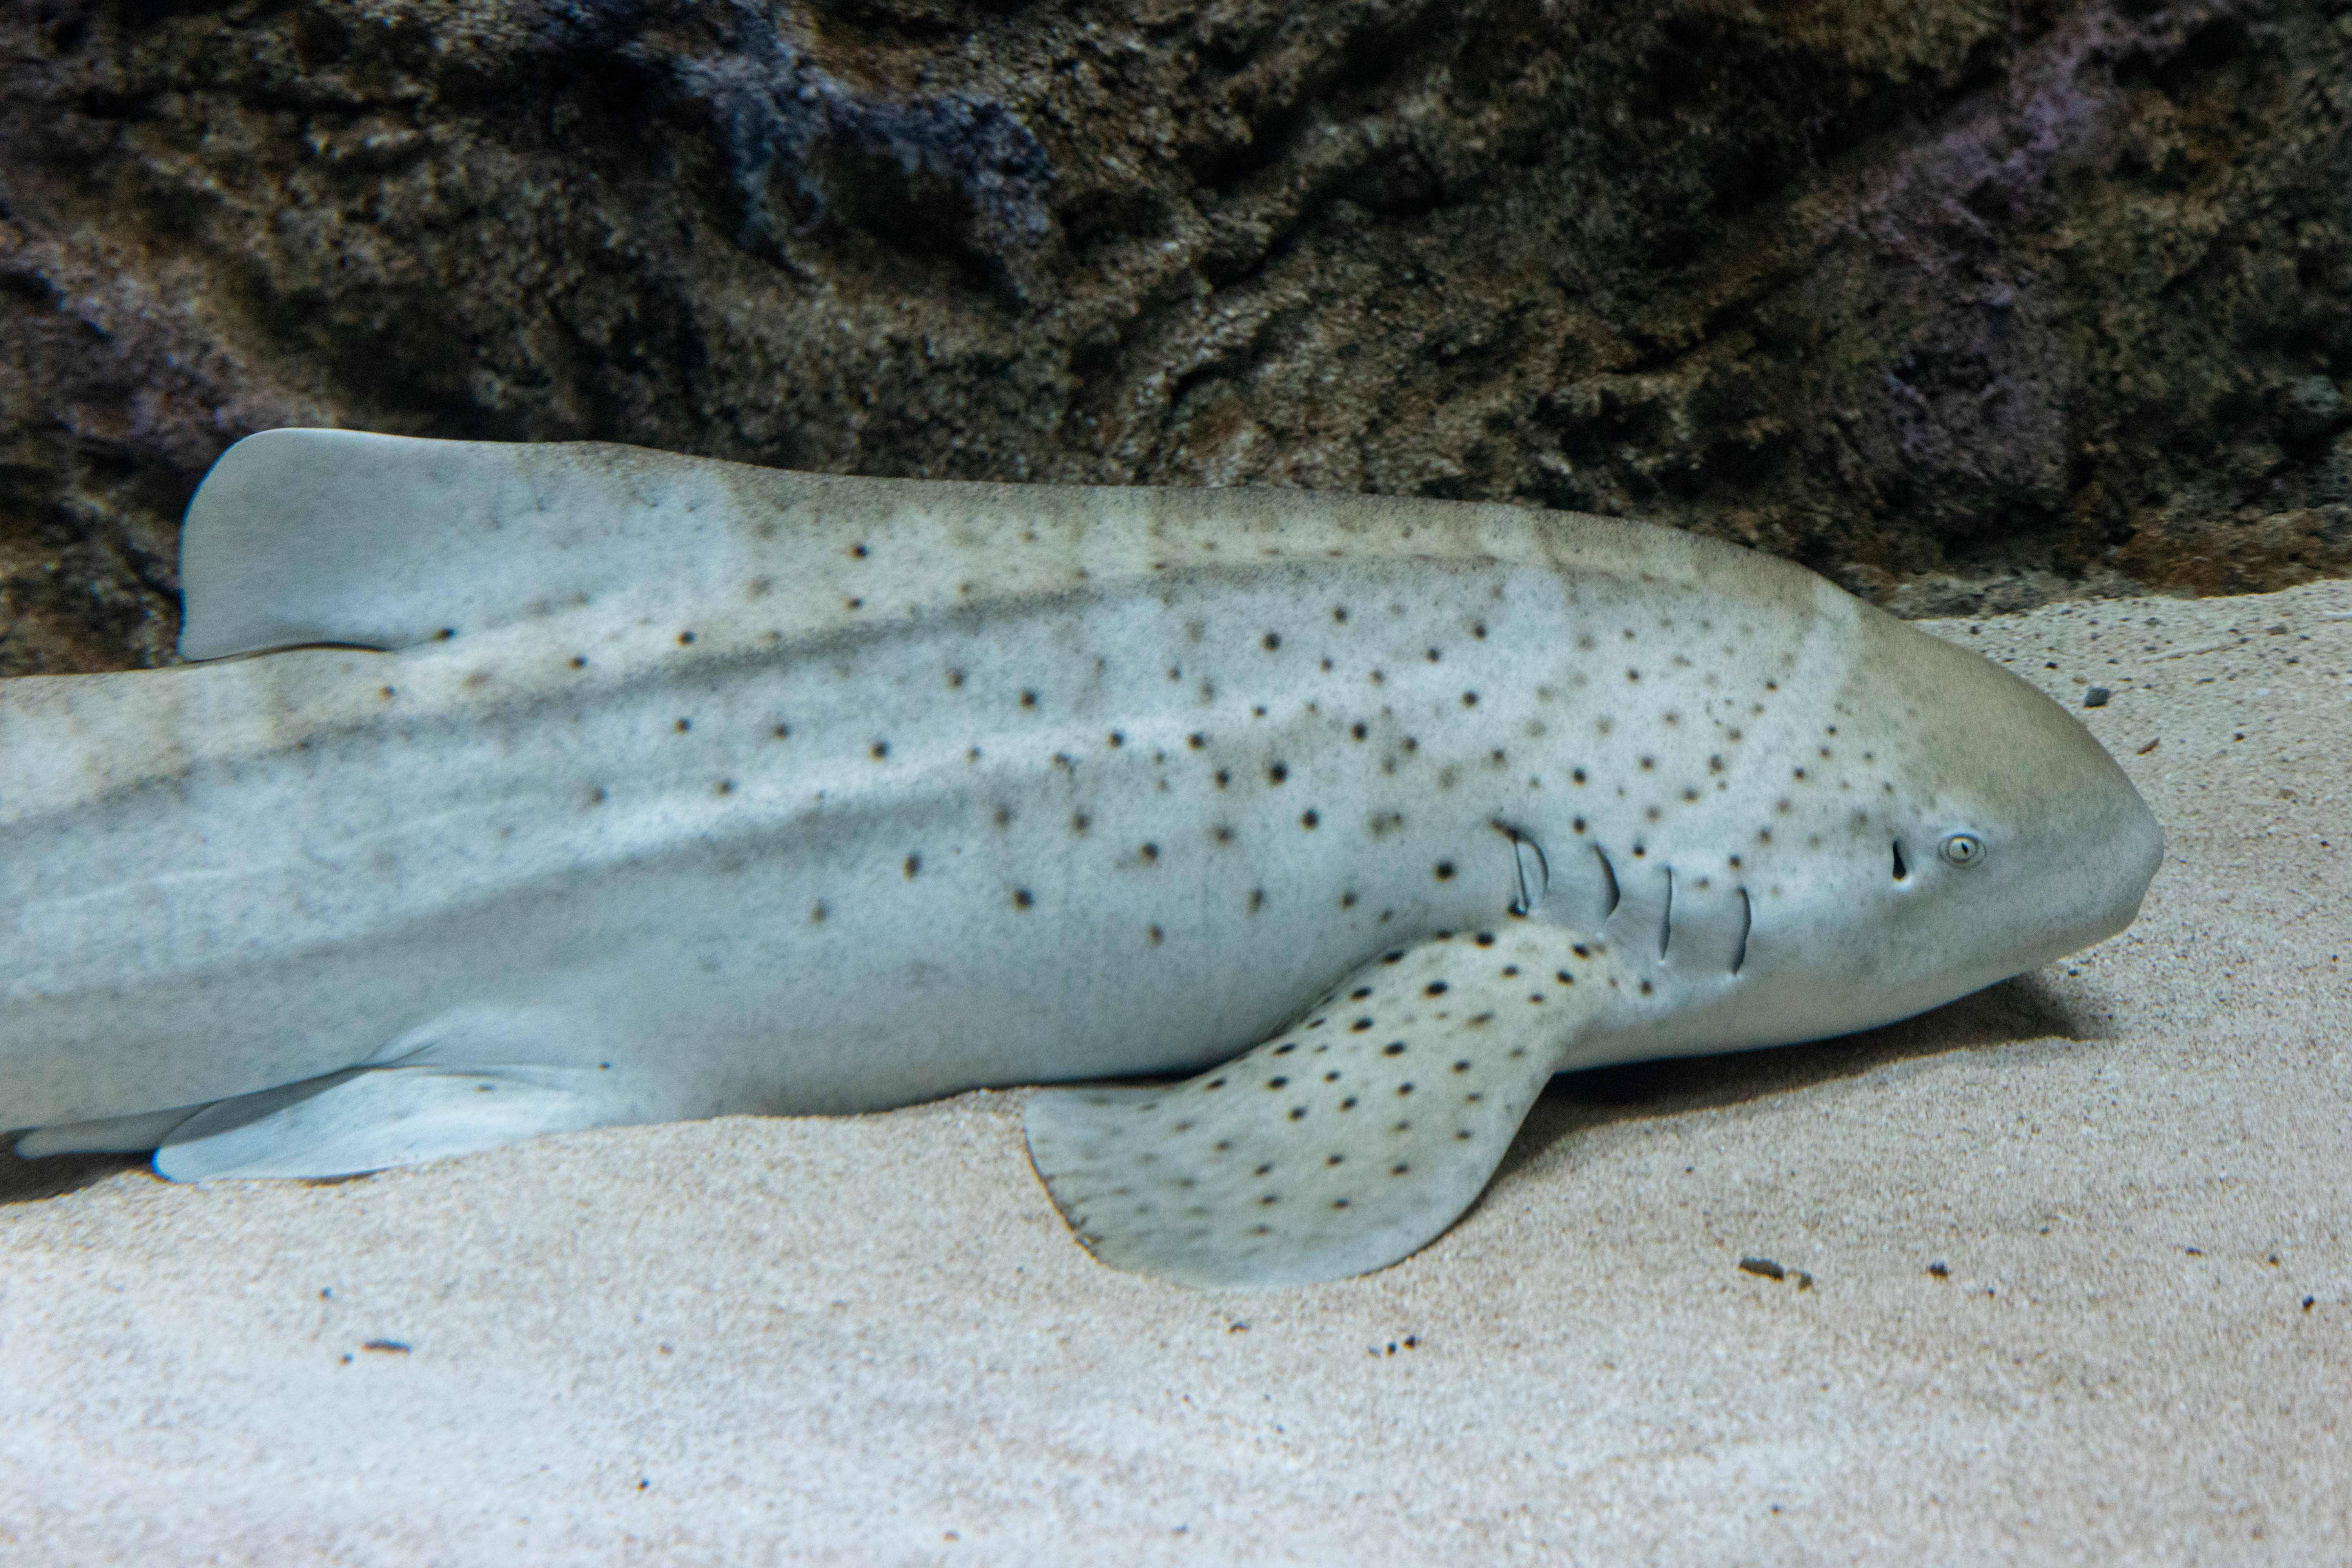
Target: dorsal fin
(340, 536)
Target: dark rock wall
(1963, 302)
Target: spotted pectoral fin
(1348, 1141)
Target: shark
(511, 789)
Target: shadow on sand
(2008, 1013)
(32, 1181)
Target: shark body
(631, 787)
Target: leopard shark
(511, 789)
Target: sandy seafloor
(2079, 1252)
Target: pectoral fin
(1346, 1142)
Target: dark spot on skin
(1117, 739)
(1340, 614)
(1080, 822)
(1577, 775)
(1399, 1169)
(1394, 1049)
(859, 550)
(817, 913)
(1224, 778)
(1360, 993)
(1434, 655)
(879, 750)
(1434, 988)
(1021, 898)
(1278, 1083)
(913, 867)
(1028, 699)
(781, 732)
(1196, 740)
(597, 796)
(1149, 852)
(1157, 936)
(1308, 820)
(853, 604)
(1469, 700)
(1298, 1113)
(1273, 641)
(1277, 772)
(1445, 870)
(1487, 939)
(1004, 816)
(1392, 957)
(1359, 1025)
(579, 661)
(1221, 834)
(1257, 899)
(684, 725)
(686, 640)
(725, 786)
(1349, 1104)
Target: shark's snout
(2062, 845)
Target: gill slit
(1666, 916)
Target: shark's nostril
(1901, 871)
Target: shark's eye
(1962, 850)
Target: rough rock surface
(1966, 303)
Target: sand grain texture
(871, 1340)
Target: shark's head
(1987, 834)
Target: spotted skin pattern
(642, 788)
(1349, 1139)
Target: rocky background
(1965, 302)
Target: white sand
(871, 1340)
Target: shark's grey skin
(681, 788)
